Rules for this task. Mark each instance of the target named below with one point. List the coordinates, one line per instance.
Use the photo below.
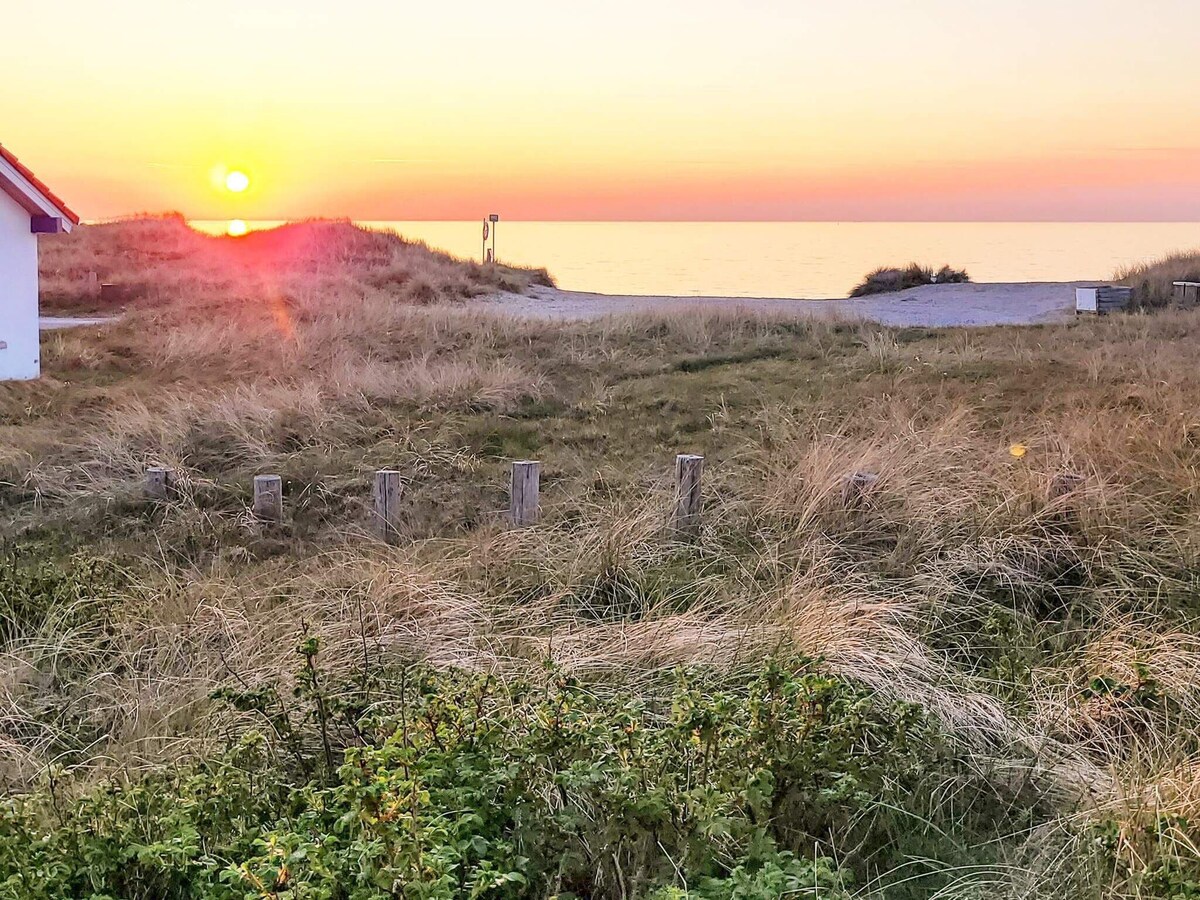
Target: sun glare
(237, 181)
(236, 228)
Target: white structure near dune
(27, 208)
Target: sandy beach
(935, 306)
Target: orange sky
(658, 109)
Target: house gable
(20, 352)
(48, 213)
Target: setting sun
(237, 181)
(237, 228)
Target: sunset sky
(654, 109)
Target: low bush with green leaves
(470, 787)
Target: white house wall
(19, 345)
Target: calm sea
(795, 259)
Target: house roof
(29, 190)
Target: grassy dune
(1153, 282)
(161, 262)
(957, 685)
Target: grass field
(976, 679)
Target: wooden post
(523, 508)
(388, 490)
(160, 483)
(93, 284)
(689, 499)
(856, 486)
(1064, 484)
(268, 498)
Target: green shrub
(167, 836)
(37, 589)
(1154, 857)
(524, 790)
(889, 279)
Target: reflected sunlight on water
(794, 259)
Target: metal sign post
(493, 219)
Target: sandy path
(939, 305)
(935, 306)
(54, 323)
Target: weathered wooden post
(856, 486)
(689, 499)
(388, 490)
(93, 284)
(160, 483)
(1064, 484)
(268, 498)
(523, 508)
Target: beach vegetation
(157, 261)
(972, 675)
(889, 279)
(1153, 282)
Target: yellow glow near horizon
(772, 109)
(237, 228)
(237, 181)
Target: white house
(27, 208)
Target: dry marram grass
(960, 580)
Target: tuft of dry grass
(889, 279)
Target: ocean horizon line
(293, 220)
